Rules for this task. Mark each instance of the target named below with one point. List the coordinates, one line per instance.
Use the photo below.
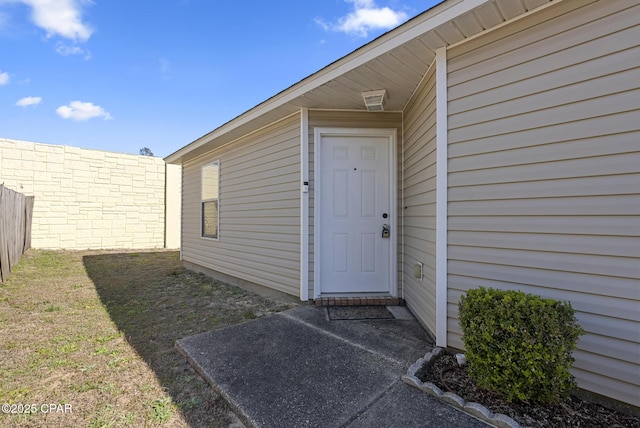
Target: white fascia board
(429, 20)
(441, 197)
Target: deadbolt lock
(385, 231)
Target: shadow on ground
(154, 302)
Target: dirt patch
(95, 332)
(443, 371)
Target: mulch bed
(444, 372)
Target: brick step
(358, 301)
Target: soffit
(396, 61)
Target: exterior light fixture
(374, 100)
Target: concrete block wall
(90, 199)
(173, 207)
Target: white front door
(355, 190)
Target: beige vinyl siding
(420, 201)
(544, 176)
(259, 237)
(349, 119)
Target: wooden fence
(16, 212)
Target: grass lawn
(93, 333)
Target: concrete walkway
(299, 369)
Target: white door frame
(391, 135)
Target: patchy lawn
(93, 334)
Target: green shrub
(518, 344)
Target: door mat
(359, 313)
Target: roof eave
(421, 24)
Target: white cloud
(366, 16)
(4, 78)
(4, 19)
(60, 17)
(80, 111)
(66, 50)
(29, 101)
(165, 64)
(165, 68)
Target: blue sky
(119, 75)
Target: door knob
(385, 231)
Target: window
(210, 199)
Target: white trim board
(304, 204)
(441, 197)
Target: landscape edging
(474, 409)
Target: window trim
(203, 201)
